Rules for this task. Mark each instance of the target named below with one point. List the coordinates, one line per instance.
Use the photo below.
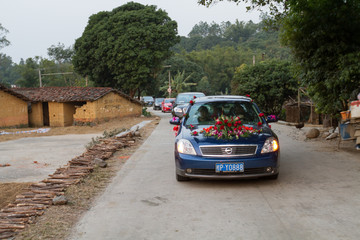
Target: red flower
(225, 121)
(269, 126)
(194, 97)
(222, 127)
(259, 124)
(176, 128)
(191, 102)
(247, 95)
(229, 124)
(194, 133)
(261, 115)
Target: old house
(65, 106)
(13, 108)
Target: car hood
(201, 140)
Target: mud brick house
(66, 106)
(13, 108)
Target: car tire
(273, 177)
(180, 178)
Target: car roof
(189, 93)
(219, 98)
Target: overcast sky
(35, 25)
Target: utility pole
(169, 89)
(40, 81)
(50, 74)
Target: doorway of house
(45, 107)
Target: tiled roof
(16, 94)
(68, 94)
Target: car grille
(247, 171)
(228, 150)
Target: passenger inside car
(204, 115)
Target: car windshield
(185, 98)
(168, 100)
(158, 100)
(148, 98)
(207, 113)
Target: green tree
(270, 83)
(125, 48)
(60, 54)
(179, 64)
(179, 83)
(3, 41)
(8, 72)
(324, 37)
(29, 73)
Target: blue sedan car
(225, 137)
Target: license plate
(229, 167)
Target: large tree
(324, 36)
(125, 48)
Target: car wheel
(180, 178)
(273, 177)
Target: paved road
(317, 196)
(49, 153)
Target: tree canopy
(270, 83)
(3, 41)
(324, 37)
(125, 48)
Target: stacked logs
(39, 196)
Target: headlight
(270, 145)
(184, 146)
(178, 110)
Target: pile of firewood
(39, 196)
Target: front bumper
(204, 167)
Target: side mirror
(175, 121)
(271, 118)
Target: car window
(185, 98)
(168, 100)
(148, 98)
(158, 100)
(207, 113)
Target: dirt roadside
(80, 195)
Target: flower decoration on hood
(261, 115)
(194, 133)
(191, 102)
(228, 128)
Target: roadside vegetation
(309, 44)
